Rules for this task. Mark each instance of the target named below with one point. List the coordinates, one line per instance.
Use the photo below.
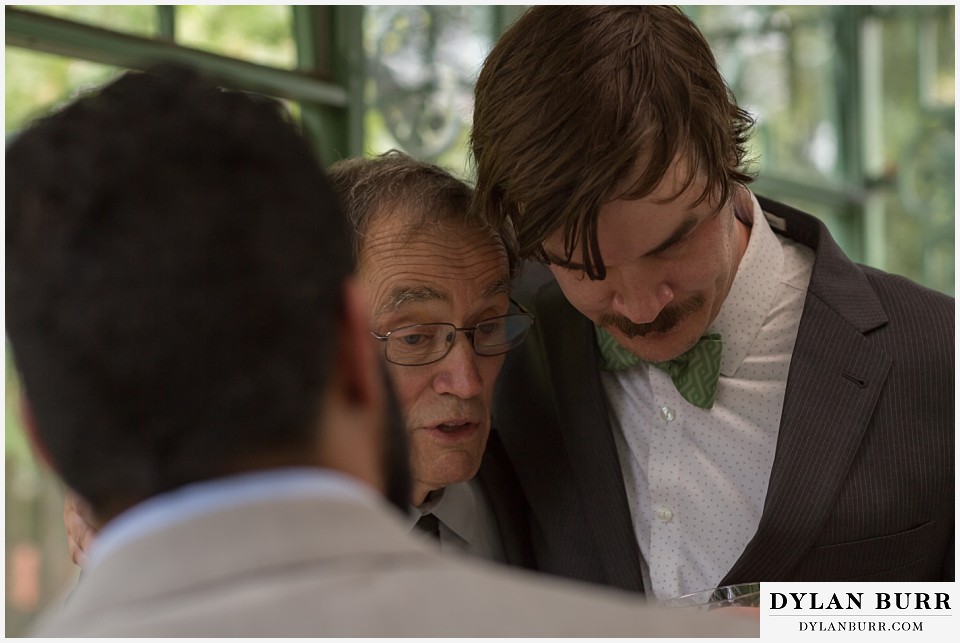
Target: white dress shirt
(467, 523)
(696, 478)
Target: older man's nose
(458, 373)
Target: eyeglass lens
(425, 343)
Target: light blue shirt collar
(200, 498)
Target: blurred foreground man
(430, 276)
(710, 377)
(209, 386)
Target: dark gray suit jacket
(862, 486)
(508, 504)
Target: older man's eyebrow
(405, 295)
(499, 287)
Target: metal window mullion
(849, 84)
(73, 40)
(167, 22)
(844, 197)
(329, 44)
(505, 15)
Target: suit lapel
(507, 503)
(588, 437)
(834, 383)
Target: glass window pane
(785, 68)
(258, 33)
(779, 61)
(918, 148)
(37, 83)
(135, 19)
(422, 64)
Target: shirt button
(667, 414)
(664, 514)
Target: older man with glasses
(432, 275)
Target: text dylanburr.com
(845, 611)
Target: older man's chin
(446, 468)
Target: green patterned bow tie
(695, 373)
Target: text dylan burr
(855, 600)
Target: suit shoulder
(902, 294)
(920, 328)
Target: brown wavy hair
(573, 101)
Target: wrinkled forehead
(403, 262)
(407, 225)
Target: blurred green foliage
(259, 33)
(140, 20)
(37, 83)
(16, 441)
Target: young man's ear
(353, 433)
(357, 358)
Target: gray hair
(395, 183)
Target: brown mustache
(666, 320)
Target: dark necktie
(428, 523)
(695, 373)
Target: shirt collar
(217, 494)
(455, 506)
(752, 294)
(430, 502)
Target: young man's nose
(641, 304)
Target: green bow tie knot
(695, 373)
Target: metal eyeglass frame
(466, 331)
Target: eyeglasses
(422, 344)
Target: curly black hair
(174, 268)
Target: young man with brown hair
(711, 381)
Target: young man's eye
(681, 241)
(568, 266)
